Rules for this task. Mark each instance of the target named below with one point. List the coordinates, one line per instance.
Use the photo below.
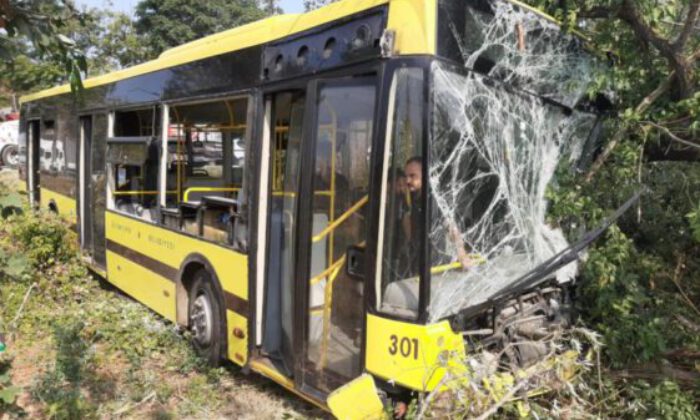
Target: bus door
(284, 117)
(333, 317)
(92, 183)
(33, 161)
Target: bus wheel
(206, 324)
(10, 157)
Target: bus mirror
(355, 264)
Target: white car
(9, 135)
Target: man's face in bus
(414, 176)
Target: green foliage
(315, 4)
(666, 401)
(42, 237)
(694, 219)
(8, 392)
(41, 23)
(10, 203)
(60, 387)
(163, 24)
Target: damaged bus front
(467, 266)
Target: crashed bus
(340, 200)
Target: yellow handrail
(327, 271)
(331, 227)
(207, 189)
(478, 260)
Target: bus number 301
(406, 346)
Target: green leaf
(8, 395)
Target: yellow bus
(243, 186)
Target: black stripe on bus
(233, 302)
(236, 304)
(151, 264)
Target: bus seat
(401, 297)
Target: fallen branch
(643, 106)
(130, 407)
(688, 324)
(506, 398)
(13, 324)
(658, 373)
(676, 280)
(672, 136)
(622, 132)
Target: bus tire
(206, 318)
(9, 156)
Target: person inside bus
(399, 215)
(414, 184)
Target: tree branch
(688, 28)
(629, 13)
(620, 134)
(641, 108)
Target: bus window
(206, 150)
(399, 252)
(134, 175)
(206, 162)
(132, 156)
(136, 123)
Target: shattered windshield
(502, 120)
(497, 140)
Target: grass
(78, 348)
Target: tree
(315, 4)
(164, 24)
(640, 283)
(40, 23)
(655, 47)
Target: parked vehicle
(9, 133)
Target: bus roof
(418, 16)
(249, 35)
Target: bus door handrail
(337, 222)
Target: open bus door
(92, 187)
(319, 161)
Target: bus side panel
(66, 205)
(159, 254)
(155, 291)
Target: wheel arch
(185, 276)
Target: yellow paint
(237, 347)
(142, 284)
(286, 382)
(172, 248)
(66, 205)
(420, 369)
(357, 400)
(256, 33)
(415, 24)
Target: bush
(43, 237)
